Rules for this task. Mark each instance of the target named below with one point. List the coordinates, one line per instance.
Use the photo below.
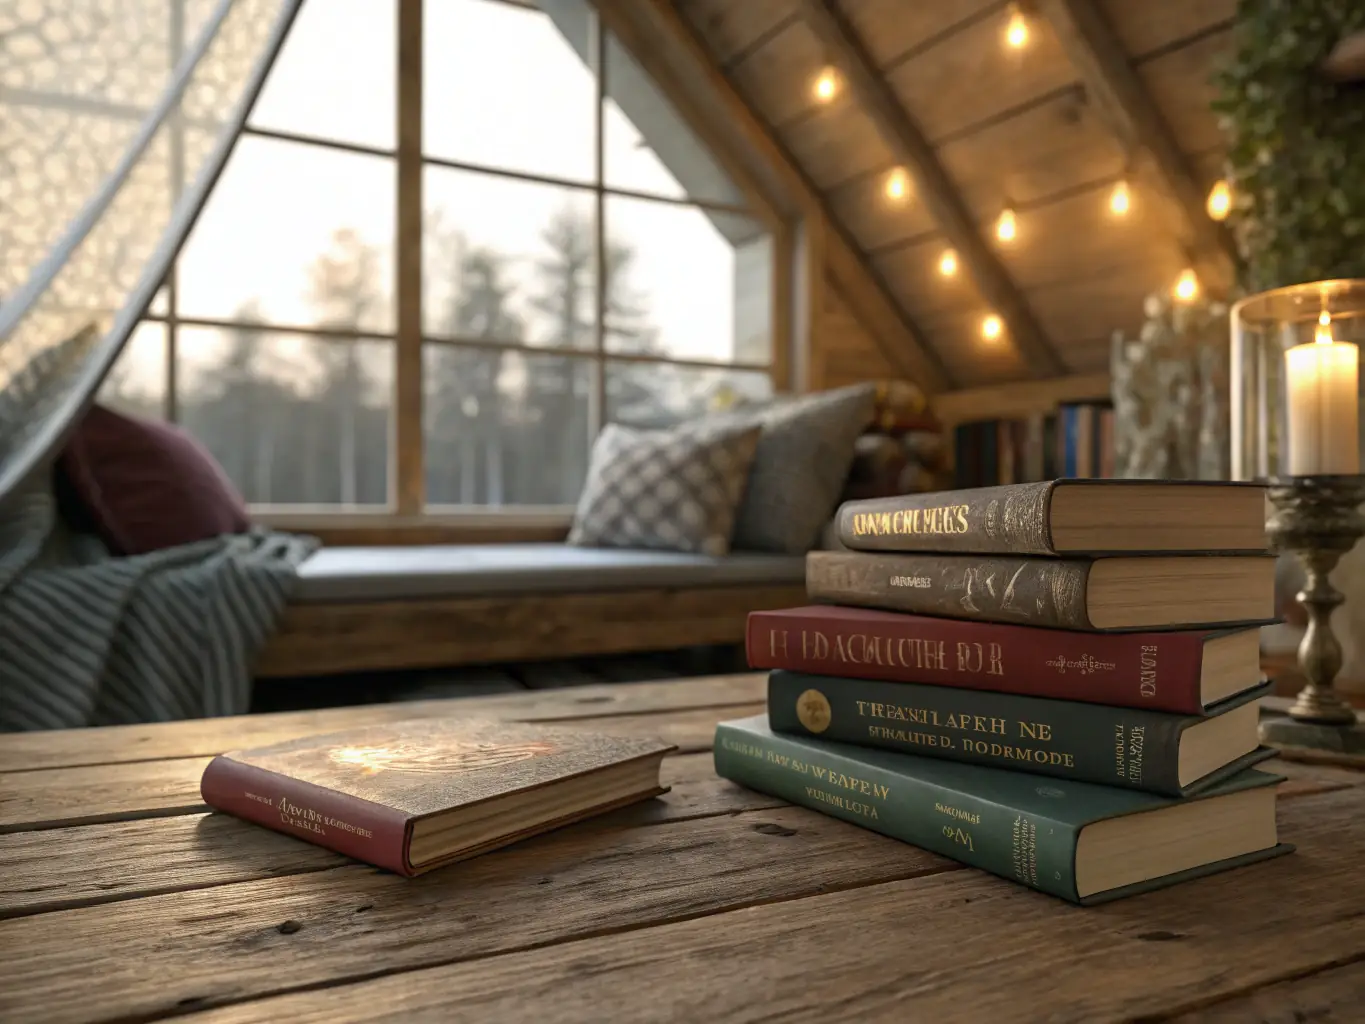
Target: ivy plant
(1296, 143)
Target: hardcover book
(1181, 671)
(411, 796)
(1059, 517)
(1062, 593)
(1151, 751)
(1081, 842)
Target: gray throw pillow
(803, 459)
(672, 490)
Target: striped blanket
(90, 639)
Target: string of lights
(898, 188)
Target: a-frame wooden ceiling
(1103, 91)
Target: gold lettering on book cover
(1027, 746)
(443, 757)
(1085, 664)
(901, 522)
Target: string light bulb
(826, 85)
(992, 327)
(897, 184)
(947, 263)
(1016, 29)
(1220, 200)
(1120, 201)
(1323, 334)
(1186, 285)
(1005, 227)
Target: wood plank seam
(904, 138)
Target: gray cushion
(670, 490)
(803, 459)
(476, 570)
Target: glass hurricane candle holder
(1295, 381)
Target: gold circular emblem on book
(445, 756)
(812, 710)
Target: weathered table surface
(122, 899)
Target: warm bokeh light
(1186, 286)
(1005, 227)
(897, 184)
(1016, 31)
(1220, 200)
(1120, 202)
(992, 327)
(947, 263)
(826, 85)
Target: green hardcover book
(1150, 751)
(1081, 842)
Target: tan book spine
(1009, 520)
(1030, 591)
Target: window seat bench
(380, 608)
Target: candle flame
(1323, 334)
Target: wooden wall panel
(911, 272)
(1179, 83)
(970, 77)
(970, 357)
(1144, 27)
(1076, 312)
(835, 144)
(1077, 237)
(875, 221)
(732, 28)
(776, 78)
(842, 350)
(894, 30)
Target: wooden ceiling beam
(1096, 52)
(663, 42)
(935, 189)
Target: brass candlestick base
(1318, 518)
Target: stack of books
(1055, 682)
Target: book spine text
(966, 827)
(1110, 746)
(1029, 591)
(344, 824)
(1010, 519)
(1157, 671)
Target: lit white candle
(1323, 404)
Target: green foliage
(1296, 144)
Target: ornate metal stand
(1317, 518)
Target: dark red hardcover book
(1185, 671)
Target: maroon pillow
(144, 486)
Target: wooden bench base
(322, 639)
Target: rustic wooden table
(122, 900)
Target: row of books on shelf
(1057, 682)
(1077, 440)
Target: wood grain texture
(89, 864)
(732, 29)
(898, 33)
(62, 797)
(205, 737)
(954, 947)
(1333, 996)
(166, 954)
(320, 639)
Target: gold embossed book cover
(411, 796)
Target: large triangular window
(583, 260)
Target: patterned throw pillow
(803, 459)
(672, 490)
